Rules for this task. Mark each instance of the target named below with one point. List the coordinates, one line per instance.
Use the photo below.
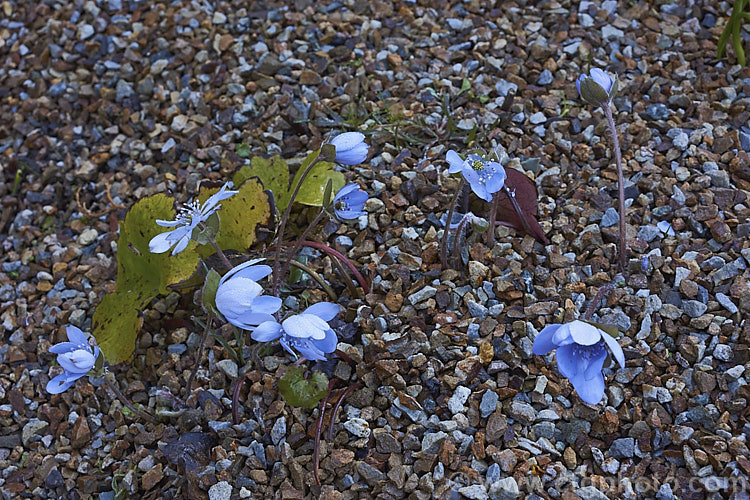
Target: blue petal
(347, 140)
(181, 245)
(252, 272)
(267, 331)
(160, 243)
(327, 344)
(308, 350)
(456, 164)
(78, 361)
(614, 346)
(235, 269)
(266, 304)
(567, 360)
(76, 336)
(595, 365)
(324, 310)
(583, 333)
(63, 347)
(60, 383)
(602, 79)
(543, 343)
(590, 391)
(345, 190)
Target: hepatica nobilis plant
(213, 243)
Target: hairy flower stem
(298, 243)
(493, 217)
(601, 294)
(112, 384)
(219, 251)
(620, 187)
(449, 220)
(282, 226)
(457, 239)
(519, 211)
(206, 330)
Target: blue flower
(350, 148)
(349, 202)
(75, 357)
(581, 353)
(308, 332)
(239, 297)
(187, 220)
(596, 88)
(484, 177)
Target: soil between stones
(104, 103)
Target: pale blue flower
(485, 177)
(239, 297)
(187, 220)
(76, 357)
(596, 88)
(581, 353)
(351, 148)
(349, 202)
(308, 332)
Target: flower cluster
(307, 332)
(581, 353)
(351, 148)
(76, 357)
(188, 219)
(239, 296)
(485, 177)
(349, 202)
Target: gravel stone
(220, 491)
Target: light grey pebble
(622, 448)
(279, 430)
(432, 441)
(489, 403)
(220, 491)
(474, 492)
(693, 308)
(504, 489)
(456, 402)
(545, 78)
(610, 217)
(726, 302)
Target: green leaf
(116, 322)
(139, 270)
(327, 193)
(240, 216)
(243, 150)
(611, 330)
(314, 184)
(208, 294)
(272, 172)
(465, 85)
(300, 392)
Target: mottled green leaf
(239, 216)
(273, 174)
(116, 322)
(313, 187)
(300, 392)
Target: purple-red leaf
(526, 196)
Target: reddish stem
(336, 408)
(318, 427)
(341, 257)
(236, 399)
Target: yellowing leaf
(138, 269)
(273, 173)
(116, 323)
(240, 217)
